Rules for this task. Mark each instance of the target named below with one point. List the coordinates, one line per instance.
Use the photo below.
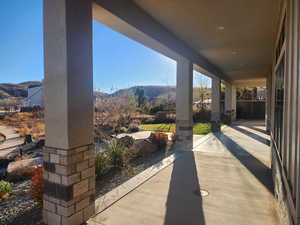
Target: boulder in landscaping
(18, 169)
(142, 147)
(126, 141)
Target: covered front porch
(226, 179)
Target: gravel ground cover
(19, 206)
(21, 209)
(117, 177)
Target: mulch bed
(21, 209)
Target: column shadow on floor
(184, 202)
(255, 166)
(252, 135)
(258, 129)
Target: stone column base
(184, 135)
(69, 185)
(215, 126)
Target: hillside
(15, 90)
(153, 93)
(161, 93)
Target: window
(279, 88)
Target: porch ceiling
(235, 36)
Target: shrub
(156, 109)
(101, 164)
(159, 139)
(37, 184)
(117, 154)
(5, 188)
(173, 136)
(202, 115)
(126, 141)
(133, 128)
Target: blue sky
(119, 62)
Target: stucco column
(184, 105)
(230, 102)
(69, 172)
(215, 103)
(268, 103)
(233, 103)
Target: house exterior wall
(35, 97)
(285, 116)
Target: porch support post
(233, 103)
(69, 172)
(184, 105)
(230, 102)
(268, 104)
(215, 104)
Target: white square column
(184, 104)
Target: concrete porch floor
(232, 166)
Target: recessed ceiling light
(221, 28)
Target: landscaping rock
(18, 169)
(40, 143)
(2, 138)
(142, 147)
(13, 154)
(126, 141)
(159, 139)
(3, 167)
(28, 147)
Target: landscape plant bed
(20, 208)
(198, 128)
(116, 177)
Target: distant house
(35, 96)
(206, 102)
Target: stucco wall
(35, 97)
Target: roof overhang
(232, 40)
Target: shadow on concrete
(259, 130)
(252, 135)
(255, 166)
(184, 202)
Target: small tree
(141, 98)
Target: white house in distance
(35, 96)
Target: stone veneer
(69, 185)
(184, 133)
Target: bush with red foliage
(37, 184)
(160, 139)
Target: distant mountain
(8, 90)
(160, 94)
(153, 93)
(157, 94)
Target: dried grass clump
(27, 123)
